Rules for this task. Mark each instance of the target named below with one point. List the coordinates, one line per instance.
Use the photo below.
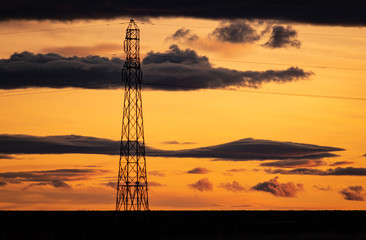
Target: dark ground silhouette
(182, 225)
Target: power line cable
(194, 88)
(61, 29)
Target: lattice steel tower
(132, 192)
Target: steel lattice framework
(132, 194)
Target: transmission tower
(132, 192)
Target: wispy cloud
(233, 187)
(294, 163)
(56, 178)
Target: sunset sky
(245, 109)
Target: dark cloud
(341, 163)
(202, 185)
(354, 193)
(24, 70)
(253, 149)
(6, 156)
(56, 178)
(345, 13)
(176, 142)
(349, 171)
(241, 150)
(293, 164)
(2, 183)
(199, 170)
(176, 69)
(282, 37)
(233, 187)
(364, 155)
(236, 32)
(278, 189)
(26, 144)
(183, 34)
(322, 188)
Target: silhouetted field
(90, 225)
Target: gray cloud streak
(349, 171)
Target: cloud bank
(345, 13)
(241, 150)
(173, 70)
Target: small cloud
(282, 37)
(58, 183)
(354, 193)
(272, 186)
(202, 185)
(2, 156)
(155, 184)
(2, 183)
(198, 170)
(233, 187)
(235, 170)
(340, 163)
(231, 172)
(364, 155)
(156, 173)
(321, 188)
(236, 32)
(111, 184)
(183, 34)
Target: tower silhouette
(132, 194)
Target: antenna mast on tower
(132, 194)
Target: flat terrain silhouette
(182, 225)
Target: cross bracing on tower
(132, 191)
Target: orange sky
(201, 117)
